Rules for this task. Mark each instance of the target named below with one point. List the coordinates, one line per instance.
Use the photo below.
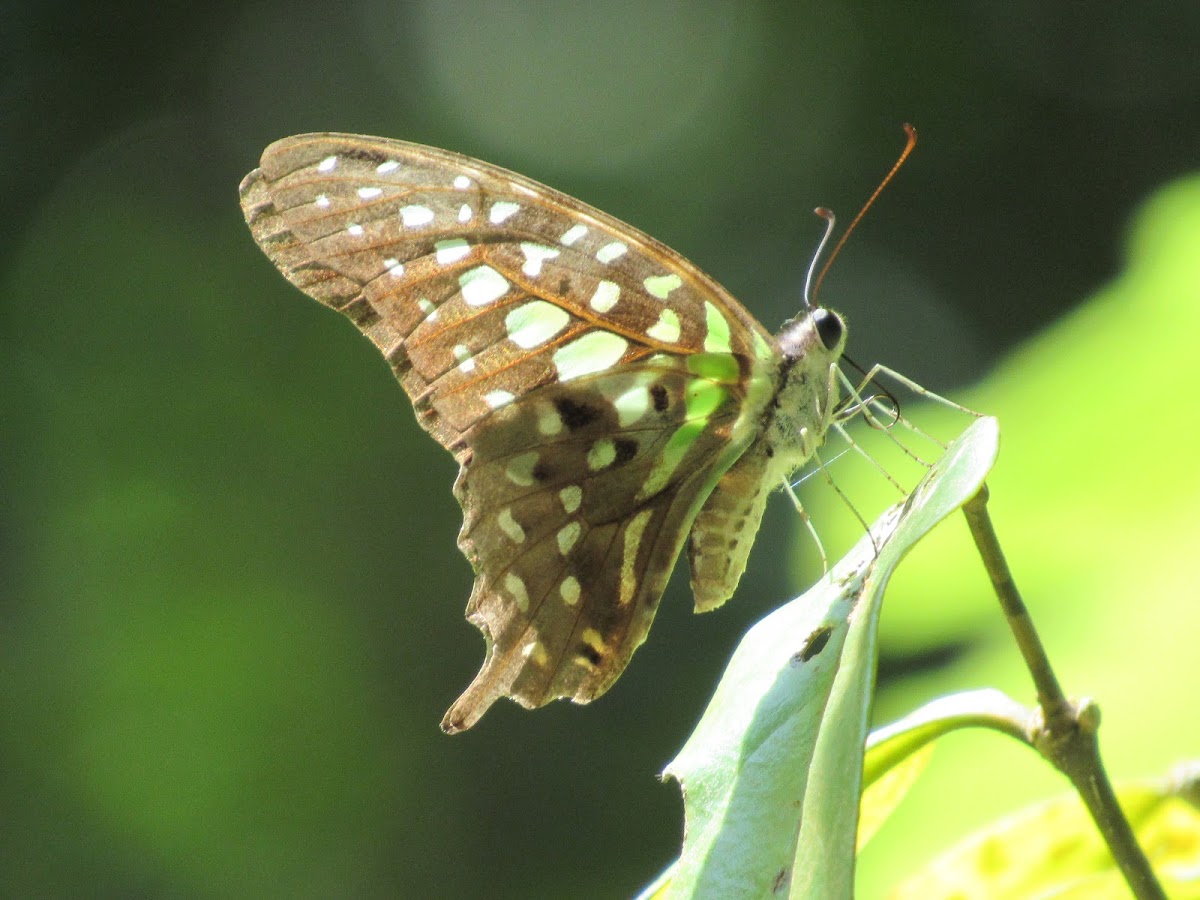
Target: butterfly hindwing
(556, 352)
(575, 533)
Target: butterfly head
(817, 334)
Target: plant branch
(1065, 731)
(1049, 692)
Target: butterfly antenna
(908, 148)
(830, 221)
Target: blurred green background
(231, 597)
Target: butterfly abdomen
(724, 530)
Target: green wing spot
(702, 398)
(717, 339)
(673, 453)
(762, 349)
(661, 285)
(722, 368)
(532, 324)
(666, 329)
(596, 351)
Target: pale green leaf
(1053, 850)
(883, 794)
(986, 707)
(896, 754)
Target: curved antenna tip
(911, 132)
(830, 222)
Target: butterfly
(607, 402)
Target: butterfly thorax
(792, 426)
(807, 392)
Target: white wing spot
(569, 590)
(662, 285)
(462, 182)
(516, 589)
(394, 266)
(535, 255)
(502, 210)
(568, 536)
(390, 166)
(416, 216)
(465, 213)
(571, 496)
(632, 405)
(327, 164)
(451, 251)
(606, 296)
(666, 329)
(482, 285)
(354, 229)
(609, 252)
(601, 454)
(596, 351)
(573, 234)
(426, 306)
(463, 354)
(532, 324)
(497, 399)
(520, 469)
(369, 193)
(549, 421)
(510, 526)
(536, 652)
(322, 201)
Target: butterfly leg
(863, 406)
(787, 486)
(879, 369)
(867, 407)
(859, 405)
(810, 450)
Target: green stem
(1066, 734)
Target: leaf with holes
(606, 400)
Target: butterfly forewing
(592, 383)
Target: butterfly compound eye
(829, 327)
